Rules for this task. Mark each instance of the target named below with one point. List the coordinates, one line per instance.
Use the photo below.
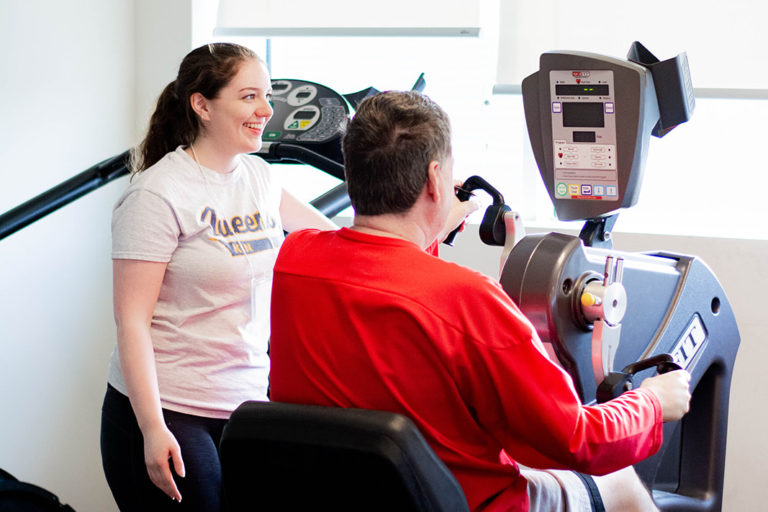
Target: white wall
(742, 268)
(163, 38)
(79, 78)
(67, 102)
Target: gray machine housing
(636, 112)
(674, 303)
(672, 300)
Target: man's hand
(460, 210)
(673, 391)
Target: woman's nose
(264, 109)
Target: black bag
(18, 496)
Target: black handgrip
(616, 383)
(464, 192)
(663, 363)
(493, 229)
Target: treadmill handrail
(330, 203)
(277, 152)
(64, 193)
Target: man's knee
(624, 491)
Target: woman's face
(236, 117)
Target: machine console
(584, 135)
(308, 115)
(590, 119)
(306, 112)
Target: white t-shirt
(219, 234)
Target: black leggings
(122, 456)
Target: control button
(598, 157)
(598, 149)
(609, 107)
(557, 107)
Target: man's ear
(434, 180)
(199, 104)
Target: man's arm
(529, 403)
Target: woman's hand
(160, 447)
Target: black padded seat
(285, 457)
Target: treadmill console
(308, 114)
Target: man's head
(388, 148)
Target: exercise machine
(611, 317)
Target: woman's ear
(199, 104)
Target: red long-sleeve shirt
(374, 322)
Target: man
(366, 318)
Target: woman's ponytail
(169, 127)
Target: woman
(195, 236)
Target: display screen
(582, 90)
(584, 136)
(589, 115)
(304, 114)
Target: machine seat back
(278, 456)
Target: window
(705, 178)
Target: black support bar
(63, 193)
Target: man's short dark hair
(388, 147)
